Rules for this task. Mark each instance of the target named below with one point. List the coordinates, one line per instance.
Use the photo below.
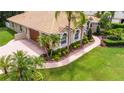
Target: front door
(34, 34)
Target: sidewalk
(73, 56)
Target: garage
(34, 34)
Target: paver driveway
(26, 45)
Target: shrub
(85, 40)
(113, 43)
(112, 37)
(89, 35)
(64, 51)
(56, 57)
(57, 54)
(105, 21)
(98, 30)
(2, 24)
(75, 45)
(117, 25)
(115, 32)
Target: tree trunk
(111, 18)
(69, 30)
(5, 71)
(81, 36)
(47, 52)
(21, 76)
(51, 53)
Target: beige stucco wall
(20, 36)
(72, 40)
(28, 34)
(16, 27)
(25, 33)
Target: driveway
(30, 47)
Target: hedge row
(109, 42)
(117, 25)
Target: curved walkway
(73, 56)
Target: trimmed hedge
(117, 25)
(57, 54)
(114, 37)
(109, 42)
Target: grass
(99, 64)
(102, 63)
(5, 35)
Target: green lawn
(5, 35)
(99, 64)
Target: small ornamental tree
(105, 21)
(98, 30)
(89, 34)
(49, 42)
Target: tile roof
(42, 21)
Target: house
(30, 25)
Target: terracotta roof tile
(41, 21)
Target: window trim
(77, 33)
(64, 39)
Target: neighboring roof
(41, 21)
(119, 15)
(93, 18)
(90, 13)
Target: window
(64, 37)
(20, 28)
(13, 25)
(77, 34)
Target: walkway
(73, 56)
(26, 45)
(13, 46)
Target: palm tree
(36, 74)
(37, 61)
(55, 40)
(20, 64)
(48, 42)
(5, 63)
(70, 16)
(112, 14)
(79, 23)
(25, 66)
(44, 41)
(99, 13)
(105, 20)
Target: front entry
(34, 34)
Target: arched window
(77, 34)
(64, 37)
